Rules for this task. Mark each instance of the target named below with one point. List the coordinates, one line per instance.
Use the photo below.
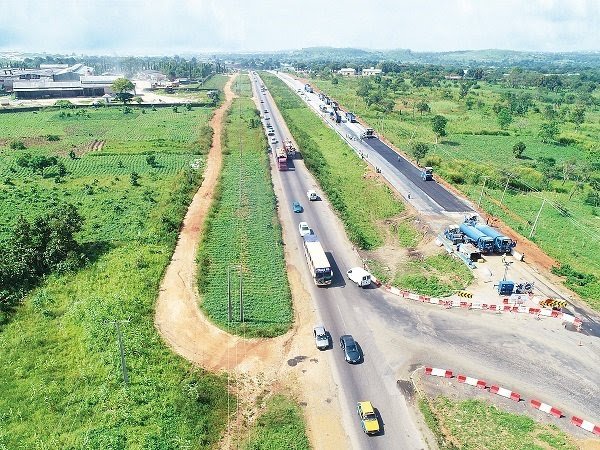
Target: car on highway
(266, 111)
(368, 418)
(273, 140)
(271, 133)
(350, 349)
(312, 195)
(297, 207)
(304, 229)
(321, 337)
(262, 101)
(359, 276)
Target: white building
(347, 72)
(370, 72)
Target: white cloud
(171, 26)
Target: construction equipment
(502, 244)
(427, 173)
(368, 133)
(506, 287)
(470, 251)
(474, 236)
(453, 234)
(524, 287)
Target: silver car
(321, 337)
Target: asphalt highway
(538, 358)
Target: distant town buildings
(55, 81)
(347, 72)
(370, 72)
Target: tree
(519, 148)
(578, 115)
(548, 132)
(438, 125)
(423, 107)
(122, 88)
(504, 118)
(335, 80)
(134, 179)
(419, 150)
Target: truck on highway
(289, 148)
(427, 173)
(350, 117)
(308, 88)
(319, 266)
(281, 159)
(368, 133)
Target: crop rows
(245, 229)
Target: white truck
(360, 276)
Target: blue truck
(502, 244)
(477, 238)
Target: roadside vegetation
(243, 233)
(60, 377)
(365, 204)
(521, 138)
(473, 424)
(280, 426)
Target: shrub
(18, 145)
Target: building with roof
(347, 72)
(370, 72)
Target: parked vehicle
(297, 207)
(350, 349)
(321, 337)
(359, 276)
(477, 238)
(502, 244)
(281, 159)
(312, 195)
(368, 418)
(319, 266)
(350, 117)
(368, 133)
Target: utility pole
(117, 324)
(241, 297)
(481, 194)
(505, 188)
(536, 219)
(229, 307)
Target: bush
(17, 145)
(53, 137)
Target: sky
(166, 27)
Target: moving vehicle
(350, 349)
(321, 337)
(312, 195)
(297, 207)
(266, 111)
(427, 173)
(319, 266)
(281, 158)
(273, 140)
(369, 133)
(360, 276)
(271, 133)
(304, 229)
(368, 418)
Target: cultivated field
(477, 150)
(60, 375)
(243, 230)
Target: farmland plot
(243, 234)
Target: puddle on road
(407, 388)
(294, 361)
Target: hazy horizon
(114, 27)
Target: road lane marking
(342, 317)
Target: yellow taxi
(368, 418)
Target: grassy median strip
(362, 202)
(60, 377)
(280, 426)
(243, 233)
(475, 424)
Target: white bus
(318, 263)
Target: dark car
(297, 207)
(348, 345)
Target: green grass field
(475, 424)
(60, 375)
(243, 229)
(280, 426)
(466, 156)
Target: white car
(360, 276)
(304, 229)
(321, 337)
(312, 195)
(273, 140)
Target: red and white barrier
(505, 393)
(546, 408)
(438, 372)
(472, 381)
(588, 426)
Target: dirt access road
(259, 366)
